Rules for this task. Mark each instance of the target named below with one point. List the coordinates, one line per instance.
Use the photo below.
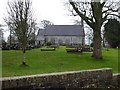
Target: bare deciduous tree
(20, 20)
(78, 22)
(95, 13)
(45, 23)
(1, 36)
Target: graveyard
(40, 62)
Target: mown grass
(55, 61)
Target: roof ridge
(64, 25)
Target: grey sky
(53, 10)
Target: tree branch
(88, 20)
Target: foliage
(112, 32)
(49, 43)
(4, 45)
(71, 48)
(53, 46)
(75, 46)
(32, 39)
(47, 49)
(13, 39)
(50, 62)
(91, 45)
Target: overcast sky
(53, 10)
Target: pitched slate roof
(64, 30)
(41, 34)
(61, 30)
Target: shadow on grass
(24, 65)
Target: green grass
(58, 61)
(46, 48)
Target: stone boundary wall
(75, 79)
(116, 80)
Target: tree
(112, 32)
(89, 32)
(78, 22)
(20, 20)
(45, 23)
(95, 13)
(11, 33)
(12, 39)
(32, 36)
(32, 39)
(2, 28)
(1, 38)
(1, 35)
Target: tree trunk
(24, 57)
(97, 53)
(10, 39)
(103, 41)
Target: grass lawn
(55, 61)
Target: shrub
(91, 44)
(71, 48)
(49, 43)
(53, 46)
(48, 49)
